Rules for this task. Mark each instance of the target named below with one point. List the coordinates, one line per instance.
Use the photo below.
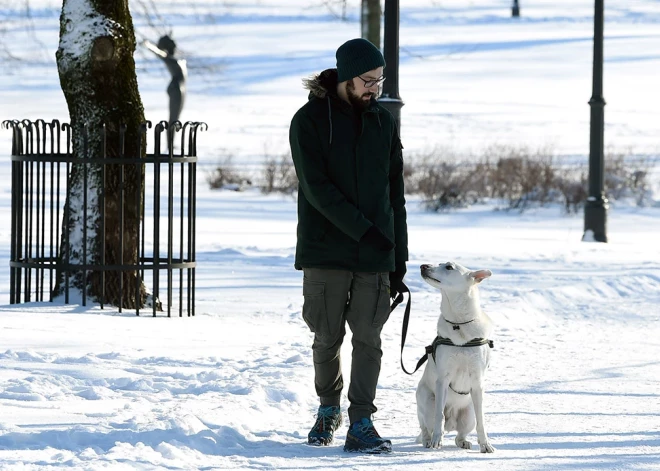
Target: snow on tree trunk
(97, 75)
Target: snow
(574, 377)
(83, 26)
(589, 236)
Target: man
(352, 236)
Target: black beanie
(356, 57)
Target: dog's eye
(449, 267)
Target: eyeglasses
(372, 82)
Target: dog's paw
(487, 448)
(436, 440)
(425, 439)
(463, 444)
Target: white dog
(451, 392)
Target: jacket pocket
(383, 304)
(314, 311)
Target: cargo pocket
(314, 311)
(383, 304)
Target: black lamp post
(595, 209)
(515, 9)
(390, 98)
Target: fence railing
(42, 161)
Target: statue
(166, 50)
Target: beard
(359, 102)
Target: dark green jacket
(350, 170)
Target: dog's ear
(479, 275)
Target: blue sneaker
(328, 419)
(362, 437)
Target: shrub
(572, 186)
(443, 181)
(225, 176)
(279, 175)
(520, 178)
(515, 176)
(626, 177)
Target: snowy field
(575, 373)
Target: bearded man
(352, 240)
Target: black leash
(436, 342)
(404, 330)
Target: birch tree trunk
(97, 75)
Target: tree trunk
(515, 9)
(97, 75)
(370, 20)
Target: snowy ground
(575, 372)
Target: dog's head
(451, 276)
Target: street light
(390, 98)
(595, 209)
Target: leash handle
(404, 330)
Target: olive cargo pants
(332, 298)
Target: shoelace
(324, 419)
(369, 431)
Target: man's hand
(376, 238)
(396, 279)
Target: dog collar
(457, 325)
(459, 392)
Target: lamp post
(390, 98)
(595, 209)
(515, 9)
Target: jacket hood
(322, 85)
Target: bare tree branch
(337, 8)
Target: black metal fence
(42, 160)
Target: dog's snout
(425, 267)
